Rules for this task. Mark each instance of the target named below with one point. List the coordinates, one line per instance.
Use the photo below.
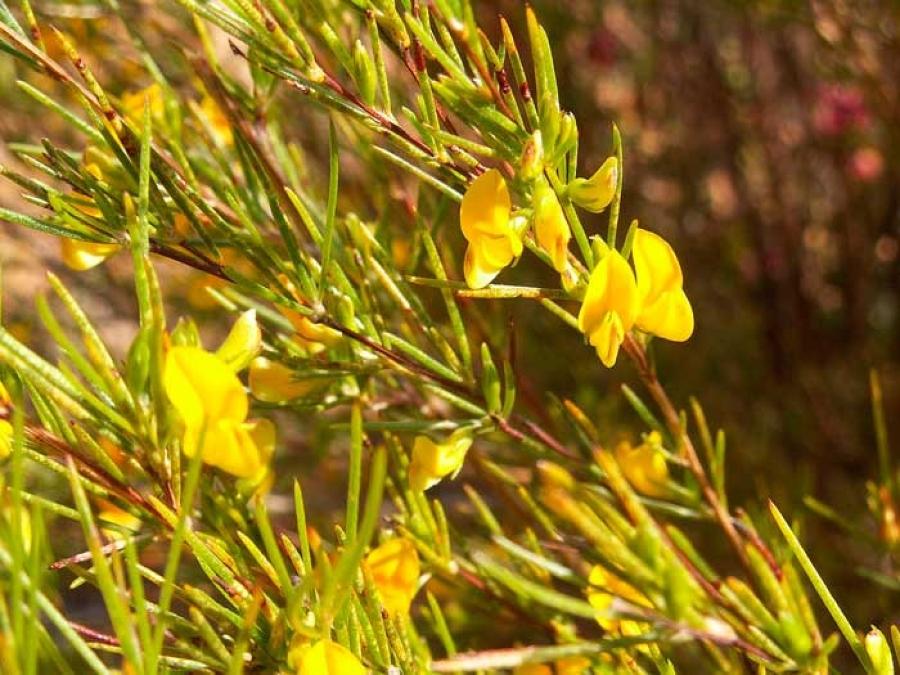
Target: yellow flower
(211, 401)
(394, 567)
(595, 193)
(111, 513)
(83, 255)
(645, 465)
(324, 658)
(605, 587)
(314, 337)
(432, 461)
(610, 306)
(484, 217)
(665, 309)
(274, 382)
(550, 226)
(133, 104)
(217, 120)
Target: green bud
(595, 193)
(532, 162)
(185, 334)
(548, 112)
(880, 652)
(137, 363)
(490, 380)
(796, 638)
(365, 73)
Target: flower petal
(477, 272)
(670, 317)
(202, 388)
(656, 265)
(485, 206)
(83, 255)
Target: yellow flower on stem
(610, 306)
(274, 382)
(484, 217)
(116, 515)
(606, 587)
(433, 461)
(217, 119)
(645, 465)
(665, 309)
(595, 193)
(83, 255)
(312, 336)
(550, 226)
(394, 568)
(133, 104)
(324, 658)
(212, 402)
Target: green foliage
(566, 550)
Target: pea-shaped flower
(610, 306)
(213, 406)
(665, 309)
(433, 461)
(394, 568)
(645, 465)
(324, 658)
(550, 226)
(485, 221)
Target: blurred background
(761, 139)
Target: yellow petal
(550, 226)
(665, 309)
(595, 193)
(612, 288)
(607, 338)
(243, 342)
(394, 568)
(433, 461)
(6, 434)
(485, 206)
(670, 317)
(644, 466)
(496, 252)
(133, 104)
(227, 445)
(274, 382)
(477, 272)
(83, 255)
(326, 658)
(655, 264)
(217, 119)
(202, 388)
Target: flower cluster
(650, 298)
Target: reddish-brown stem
(637, 354)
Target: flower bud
(595, 193)
(880, 652)
(532, 162)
